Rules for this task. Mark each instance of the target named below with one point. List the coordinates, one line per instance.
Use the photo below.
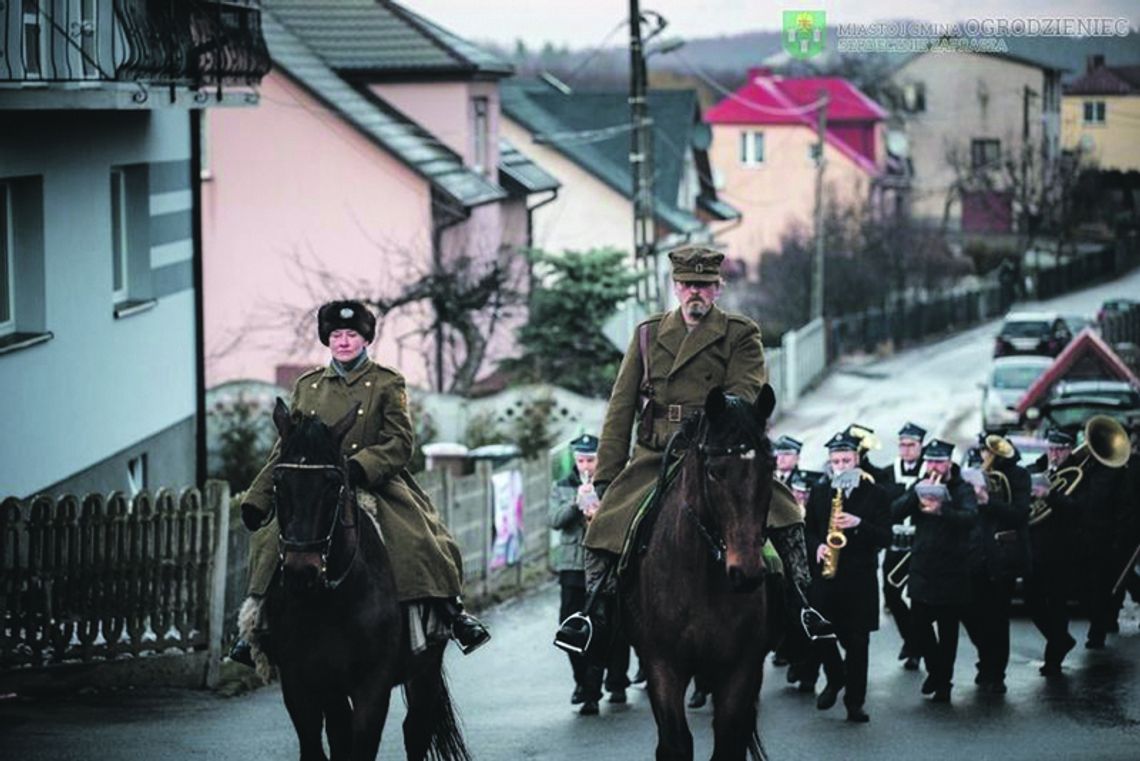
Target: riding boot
(585, 631)
(252, 630)
(469, 632)
(789, 544)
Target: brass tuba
(1106, 441)
(997, 483)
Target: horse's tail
(432, 704)
(756, 749)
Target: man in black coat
(943, 509)
(850, 597)
(999, 553)
(900, 477)
(1048, 586)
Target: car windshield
(1074, 418)
(1016, 376)
(1025, 329)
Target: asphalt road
(513, 695)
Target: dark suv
(1042, 333)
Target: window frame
(8, 253)
(32, 18)
(979, 145)
(1098, 109)
(120, 243)
(481, 132)
(747, 148)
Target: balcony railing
(190, 43)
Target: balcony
(130, 53)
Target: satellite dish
(702, 136)
(897, 144)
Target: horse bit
(324, 546)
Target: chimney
(1094, 62)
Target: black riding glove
(357, 478)
(251, 516)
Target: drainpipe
(199, 298)
(530, 238)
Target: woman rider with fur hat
(426, 561)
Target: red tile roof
(767, 99)
(1087, 343)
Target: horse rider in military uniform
(673, 360)
(902, 474)
(426, 561)
(999, 553)
(573, 503)
(845, 584)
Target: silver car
(1009, 378)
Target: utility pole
(641, 167)
(1027, 93)
(817, 271)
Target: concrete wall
(101, 385)
(968, 96)
(1115, 144)
(779, 193)
(295, 190)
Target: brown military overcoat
(722, 350)
(426, 560)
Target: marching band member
(849, 509)
(787, 451)
(902, 476)
(999, 553)
(944, 509)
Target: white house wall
(101, 385)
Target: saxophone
(836, 540)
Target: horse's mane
(311, 439)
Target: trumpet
(1106, 441)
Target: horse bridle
(322, 545)
(711, 535)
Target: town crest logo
(804, 33)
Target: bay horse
(337, 634)
(699, 601)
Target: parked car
(1009, 378)
(1114, 391)
(1077, 322)
(1039, 333)
(1114, 306)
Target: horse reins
(711, 536)
(324, 546)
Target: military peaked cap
(585, 444)
(912, 431)
(696, 264)
(787, 444)
(938, 449)
(842, 442)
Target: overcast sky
(584, 23)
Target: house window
(130, 240)
(984, 154)
(481, 134)
(914, 97)
(33, 44)
(21, 263)
(751, 148)
(1094, 111)
(7, 265)
(120, 247)
(136, 474)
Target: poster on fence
(506, 548)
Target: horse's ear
(281, 418)
(765, 402)
(341, 427)
(715, 402)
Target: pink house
(763, 155)
(372, 161)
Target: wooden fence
(111, 578)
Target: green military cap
(696, 264)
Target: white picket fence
(799, 362)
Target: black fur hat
(345, 315)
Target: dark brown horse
(337, 634)
(700, 600)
